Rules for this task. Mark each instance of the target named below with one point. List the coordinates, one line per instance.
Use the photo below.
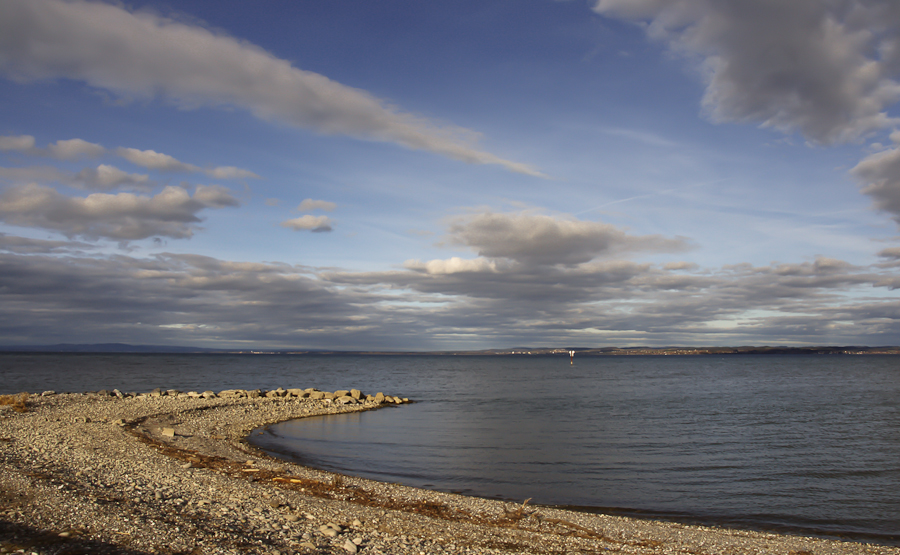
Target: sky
(408, 175)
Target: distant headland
(97, 348)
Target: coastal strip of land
(172, 472)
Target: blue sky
(450, 175)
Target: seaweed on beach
(18, 402)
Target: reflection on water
(788, 441)
(808, 443)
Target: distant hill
(516, 351)
(105, 348)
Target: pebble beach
(172, 472)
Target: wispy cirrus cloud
(144, 55)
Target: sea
(805, 444)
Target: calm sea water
(795, 443)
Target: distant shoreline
(122, 348)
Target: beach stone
(350, 547)
(317, 395)
(341, 393)
(328, 395)
(254, 393)
(232, 393)
(292, 518)
(168, 432)
(328, 531)
(208, 395)
(356, 394)
(379, 397)
(294, 392)
(48, 393)
(345, 400)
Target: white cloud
(140, 54)
(16, 142)
(316, 224)
(537, 239)
(68, 149)
(158, 161)
(825, 69)
(880, 172)
(308, 205)
(74, 148)
(123, 216)
(105, 177)
(454, 265)
(153, 160)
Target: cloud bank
(144, 55)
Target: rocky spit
(171, 472)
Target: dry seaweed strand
(18, 402)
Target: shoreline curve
(175, 474)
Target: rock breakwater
(171, 472)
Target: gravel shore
(173, 473)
